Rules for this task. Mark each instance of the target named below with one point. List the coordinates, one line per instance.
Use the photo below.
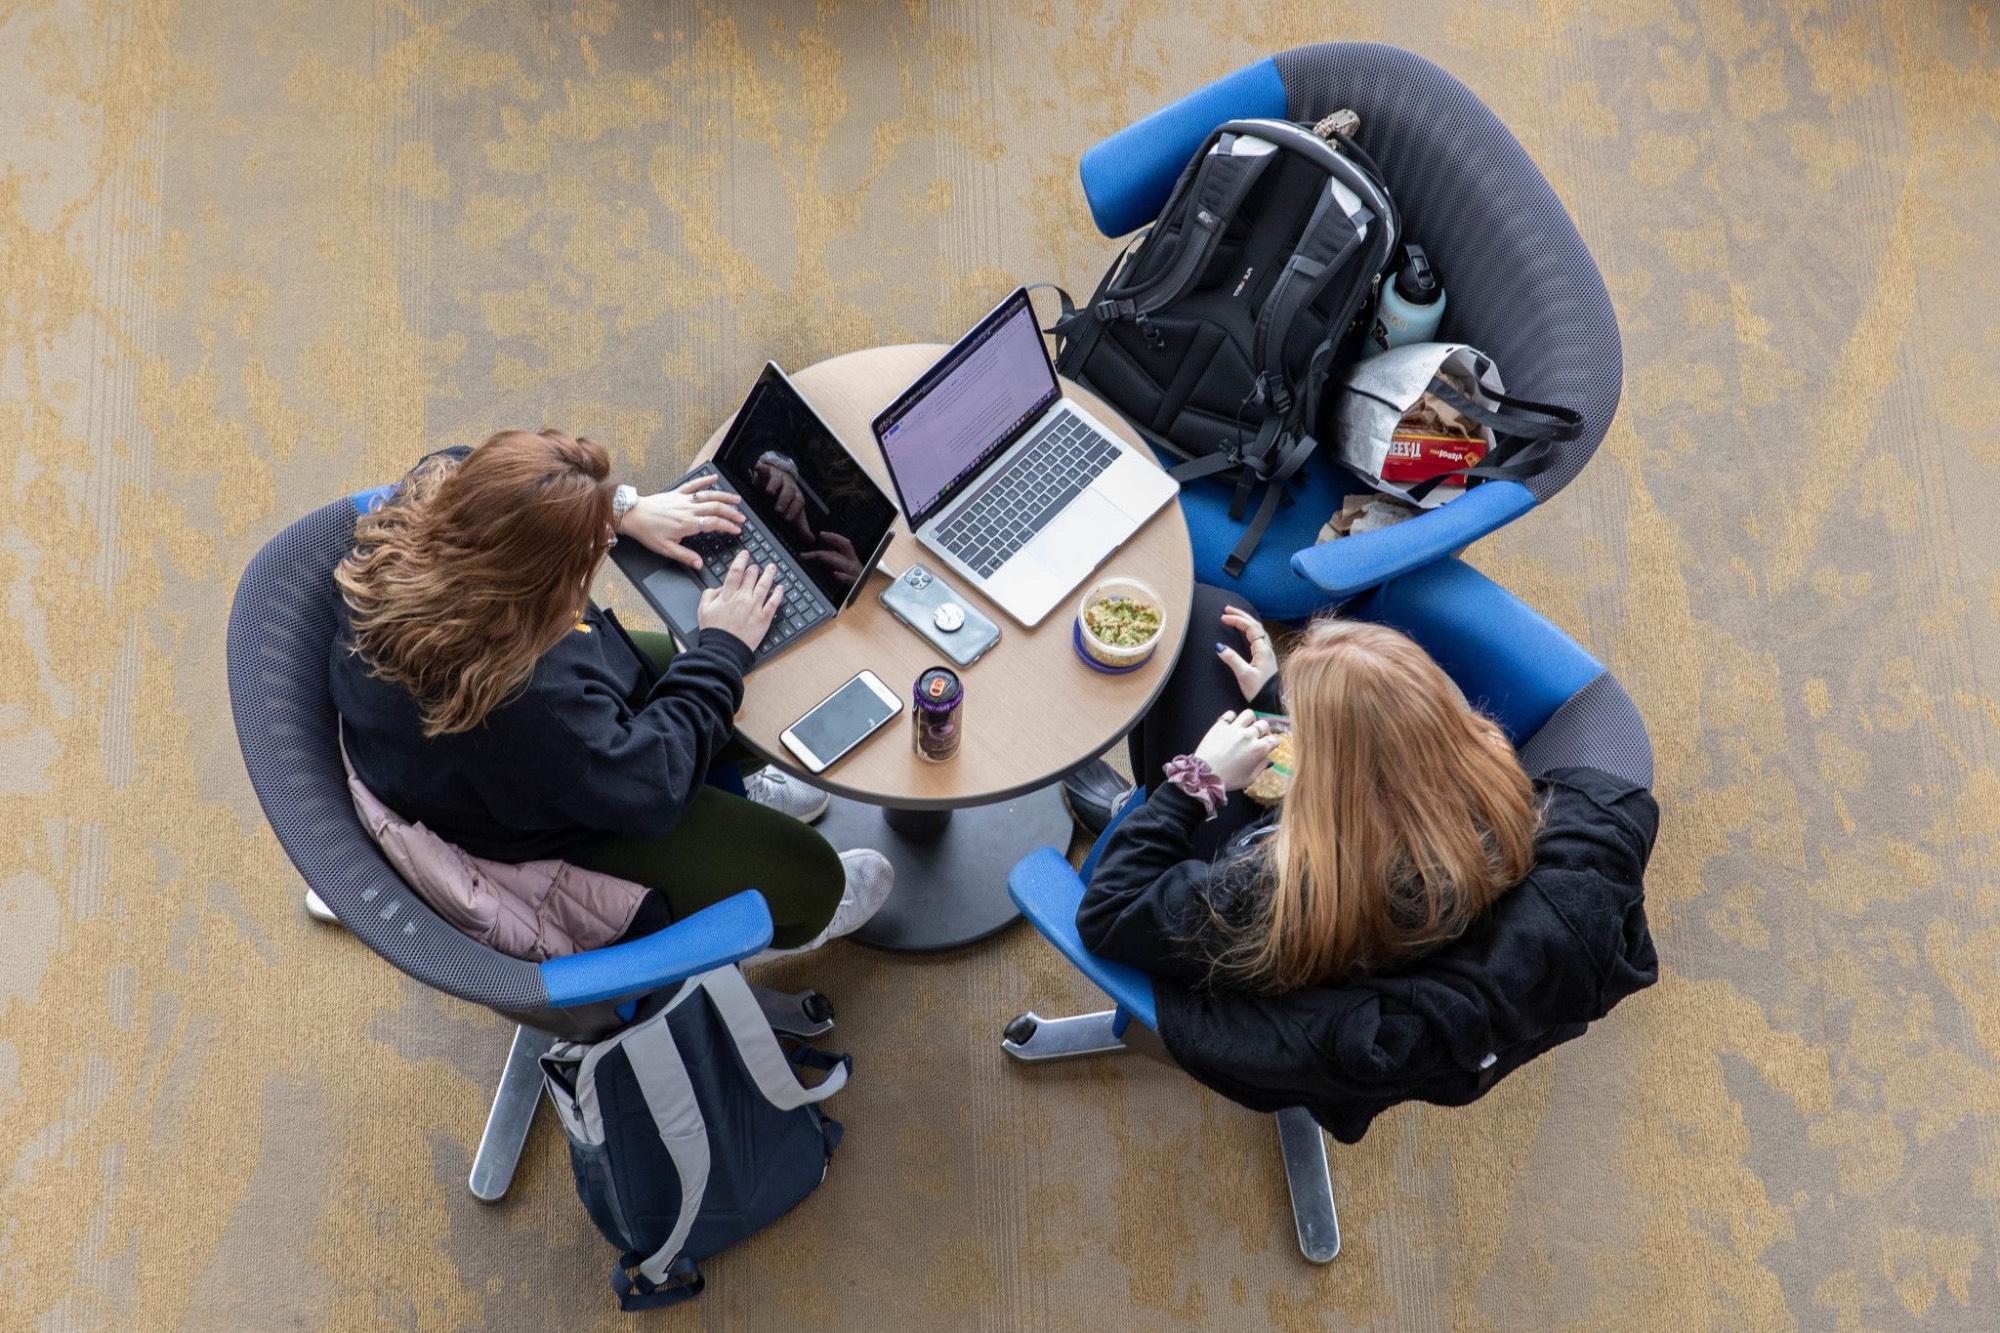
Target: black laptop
(809, 508)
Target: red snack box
(1418, 455)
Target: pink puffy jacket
(535, 910)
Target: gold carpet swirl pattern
(256, 255)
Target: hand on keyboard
(673, 523)
(745, 602)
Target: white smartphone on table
(841, 721)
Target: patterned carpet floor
(252, 256)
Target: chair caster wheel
(1020, 1029)
(817, 1007)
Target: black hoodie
(1551, 955)
(599, 742)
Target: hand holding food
(1237, 748)
(1270, 786)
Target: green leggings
(724, 845)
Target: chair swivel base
(951, 865)
(1301, 1143)
(804, 1013)
(512, 1116)
(1310, 1180)
(1031, 1037)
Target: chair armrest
(1096, 852)
(1127, 176)
(363, 501)
(1512, 662)
(1047, 891)
(719, 934)
(1349, 565)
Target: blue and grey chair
(1521, 286)
(281, 630)
(1555, 701)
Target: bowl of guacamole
(1119, 622)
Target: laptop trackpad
(1060, 557)
(1088, 529)
(676, 596)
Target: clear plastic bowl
(1116, 656)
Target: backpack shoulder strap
(1329, 237)
(1213, 196)
(663, 1081)
(758, 1046)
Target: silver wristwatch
(622, 501)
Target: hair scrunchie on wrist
(1193, 776)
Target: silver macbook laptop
(1010, 483)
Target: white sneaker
(869, 879)
(786, 794)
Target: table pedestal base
(951, 865)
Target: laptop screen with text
(967, 408)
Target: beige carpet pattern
(255, 255)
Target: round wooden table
(1033, 712)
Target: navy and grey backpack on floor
(1216, 334)
(690, 1131)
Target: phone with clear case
(915, 597)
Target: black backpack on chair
(1214, 335)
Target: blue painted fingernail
(1220, 649)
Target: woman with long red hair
(485, 698)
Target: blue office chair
(281, 630)
(1521, 286)
(1556, 702)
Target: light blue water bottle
(1412, 305)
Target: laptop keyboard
(803, 607)
(1019, 502)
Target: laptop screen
(795, 474)
(967, 408)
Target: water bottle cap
(1416, 281)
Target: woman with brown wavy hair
(1408, 815)
(484, 696)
